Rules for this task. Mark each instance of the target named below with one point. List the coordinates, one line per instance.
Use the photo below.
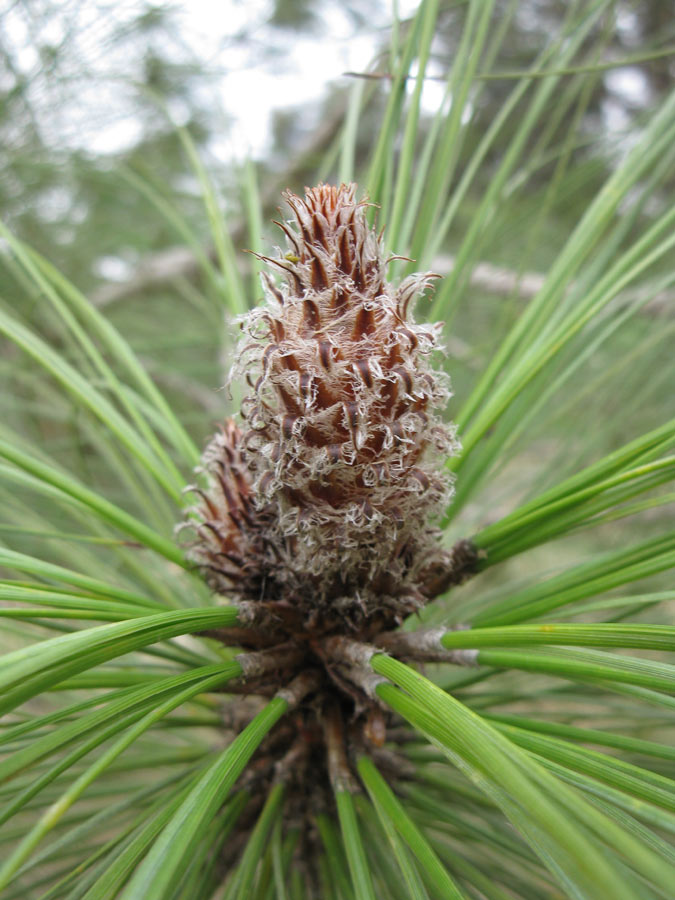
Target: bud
(325, 501)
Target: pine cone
(228, 543)
(343, 445)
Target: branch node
(347, 651)
(425, 646)
(260, 662)
(296, 691)
(352, 658)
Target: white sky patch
(298, 74)
(630, 84)
(113, 268)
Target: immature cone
(229, 544)
(341, 462)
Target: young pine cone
(228, 544)
(325, 501)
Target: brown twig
(257, 663)
(305, 683)
(292, 762)
(340, 774)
